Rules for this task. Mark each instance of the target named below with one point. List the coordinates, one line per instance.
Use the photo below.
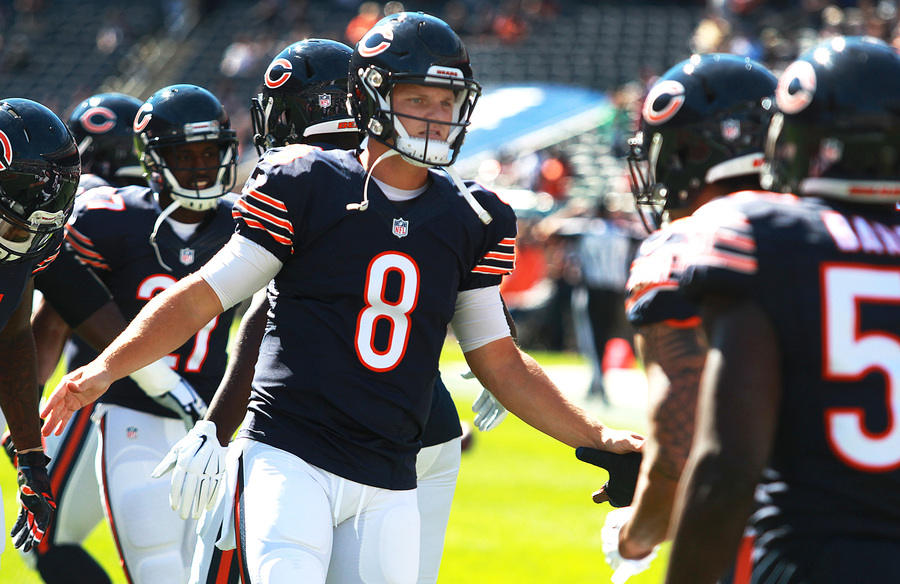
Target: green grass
(522, 511)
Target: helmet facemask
(649, 195)
(23, 240)
(162, 176)
(385, 125)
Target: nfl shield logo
(186, 256)
(131, 432)
(324, 100)
(401, 227)
(731, 130)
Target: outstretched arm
(163, 325)
(522, 386)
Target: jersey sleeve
(653, 291)
(65, 276)
(499, 256)
(261, 212)
(720, 254)
(94, 232)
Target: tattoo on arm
(680, 354)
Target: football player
(800, 299)
(303, 100)
(703, 126)
(39, 172)
(102, 128)
(373, 254)
(140, 240)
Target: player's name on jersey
(854, 234)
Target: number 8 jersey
(828, 275)
(359, 311)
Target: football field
(522, 511)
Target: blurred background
(563, 79)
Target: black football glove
(36, 500)
(623, 473)
(184, 401)
(8, 447)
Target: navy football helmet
(837, 130)
(39, 173)
(102, 126)
(304, 94)
(704, 121)
(418, 49)
(176, 115)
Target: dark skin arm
(229, 404)
(673, 358)
(18, 365)
(736, 423)
(51, 333)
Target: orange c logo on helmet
(286, 68)
(663, 102)
(796, 87)
(143, 117)
(7, 154)
(106, 116)
(376, 41)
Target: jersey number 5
(378, 308)
(851, 354)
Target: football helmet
(176, 115)
(837, 130)
(702, 122)
(304, 93)
(102, 127)
(39, 173)
(418, 49)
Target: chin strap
(365, 202)
(465, 193)
(159, 221)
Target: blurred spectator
(510, 25)
(555, 175)
(603, 243)
(369, 13)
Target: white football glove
(488, 411)
(199, 464)
(184, 401)
(622, 569)
(171, 391)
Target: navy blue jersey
(828, 275)
(14, 277)
(652, 288)
(359, 311)
(443, 419)
(110, 232)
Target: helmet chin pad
(424, 151)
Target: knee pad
(70, 564)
